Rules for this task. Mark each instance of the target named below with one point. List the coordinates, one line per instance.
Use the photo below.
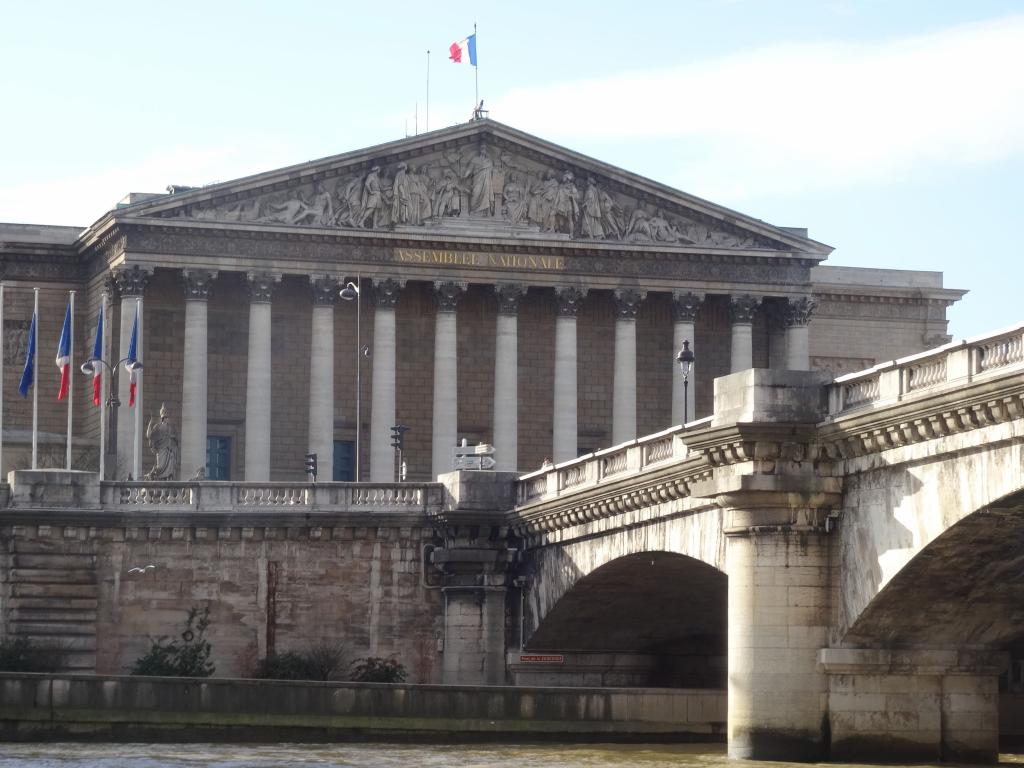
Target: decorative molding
(799, 310)
(325, 290)
(508, 297)
(627, 302)
(261, 286)
(742, 308)
(130, 281)
(447, 293)
(569, 298)
(386, 292)
(685, 306)
(198, 283)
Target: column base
(778, 744)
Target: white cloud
(799, 116)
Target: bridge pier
(913, 705)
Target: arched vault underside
(658, 603)
(965, 589)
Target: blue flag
(28, 375)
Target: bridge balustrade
(946, 367)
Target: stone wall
(40, 707)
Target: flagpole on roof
(71, 378)
(35, 388)
(476, 75)
(426, 122)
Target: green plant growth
(319, 662)
(374, 669)
(186, 656)
(18, 654)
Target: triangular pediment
(481, 179)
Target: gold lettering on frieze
(480, 260)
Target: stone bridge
(844, 556)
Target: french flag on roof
(64, 356)
(463, 51)
(97, 354)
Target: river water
(378, 756)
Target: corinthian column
(506, 377)
(684, 315)
(321, 373)
(798, 317)
(565, 427)
(194, 377)
(743, 309)
(382, 398)
(627, 302)
(131, 284)
(257, 390)
(446, 376)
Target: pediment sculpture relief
(479, 185)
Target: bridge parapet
(949, 367)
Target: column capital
(325, 290)
(627, 302)
(386, 291)
(799, 310)
(447, 293)
(198, 283)
(130, 281)
(508, 297)
(685, 306)
(743, 308)
(261, 286)
(569, 298)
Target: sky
(893, 131)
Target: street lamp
(353, 292)
(685, 359)
(113, 401)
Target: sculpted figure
(481, 194)
(163, 442)
(639, 226)
(567, 205)
(372, 200)
(515, 199)
(611, 217)
(446, 196)
(661, 230)
(322, 208)
(401, 202)
(419, 197)
(542, 199)
(592, 225)
(350, 203)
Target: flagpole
(103, 389)
(71, 378)
(476, 75)
(35, 379)
(426, 128)
(4, 478)
(136, 453)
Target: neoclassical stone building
(512, 292)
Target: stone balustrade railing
(624, 460)
(271, 497)
(949, 366)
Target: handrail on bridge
(946, 367)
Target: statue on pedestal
(163, 442)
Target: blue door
(344, 461)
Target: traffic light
(311, 465)
(398, 436)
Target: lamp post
(685, 359)
(112, 402)
(353, 292)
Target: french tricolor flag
(463, 51)
(133, 357)
(64, 356)
(97, 369)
